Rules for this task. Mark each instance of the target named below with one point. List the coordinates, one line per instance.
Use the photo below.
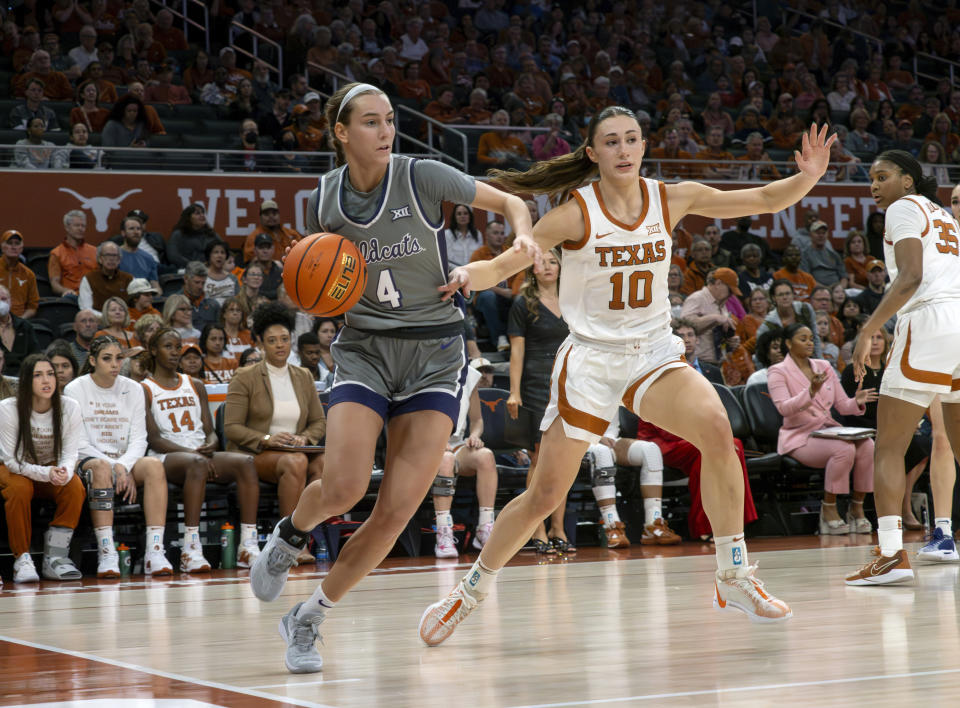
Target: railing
(240, 29)
(187, 21)
(231, 160)
(950, 68)
(826, 21)
(191, 159)
(463, 163)
(740, 170)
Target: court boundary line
(740, 689)
(168, 675)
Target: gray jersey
(398, 229)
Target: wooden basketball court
(608, 628)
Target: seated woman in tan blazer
(268, 400)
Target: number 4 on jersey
(387, 289)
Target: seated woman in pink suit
(803, 390)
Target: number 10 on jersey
(639, 287)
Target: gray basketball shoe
(301, 636)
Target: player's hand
(207, 449)
(459, 280)
(125, 487)
(816, 151)
(286, 251)
(59, 476)
(513, 405)
(474, 442)
(609, 442)
(861, 355)
(525, 243)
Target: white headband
(359, 88)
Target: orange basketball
(325, 274)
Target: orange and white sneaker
(441, 618)
(659, 534)
(616, 536)
(884, 570)
(192, 560)
(155, 562)
(247, 554)
(108, 565)
(741, 590)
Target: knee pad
(100, 499)
(603, 469)
(444, 486)
(647, 456)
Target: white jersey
(460, 432)
(177, 411)
(613, 285)
(915, 216)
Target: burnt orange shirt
(282, 237)
(803, 282)
(70, 264)
(219, 372)
(22, 284)
(136, 314)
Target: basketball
(325, 274)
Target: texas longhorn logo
(348, 264)
(492, 405)
(100, 206)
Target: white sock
(609, 515)
(444, 518)
(318, 604)
(248, 534)
(890, 534)
(731, 552)
(604, 492)
(104, 536)
(191, 536)
(154, 538)
(479, 580)
(486, 515)
(943, 523)
(652, 510)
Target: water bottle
(228, 546)
(123, 551)
(320, 550)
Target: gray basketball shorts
(394, 376)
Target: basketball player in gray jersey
(400, 359)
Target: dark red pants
(686, 458)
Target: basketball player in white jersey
(181, 435)
(921, 244)
(614, 297)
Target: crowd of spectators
(710, 81)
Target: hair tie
(359, 88)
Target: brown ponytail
(560, 174)
(332, 110)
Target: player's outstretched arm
(563, 223)
(695, 198)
